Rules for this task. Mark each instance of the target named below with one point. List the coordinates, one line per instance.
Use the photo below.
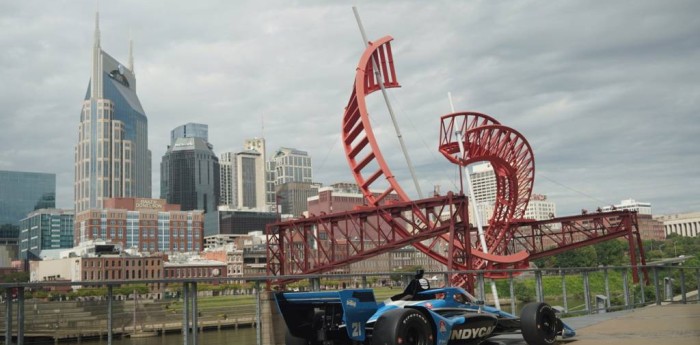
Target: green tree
(581, 257)
(611, 253)
(522, 292)
(13, 277)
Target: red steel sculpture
(514, 164)
(510, 155)
(437, 226)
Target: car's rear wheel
(538, 324)
(404, 327)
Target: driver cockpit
(416, 285)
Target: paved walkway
(673, 324)
(676, 324)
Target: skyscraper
(484, 182)
(293, 197)
(227, 161)
(243, 177)
(258, 145)
(250, 173)
(189, 175)
(112, 159)
(190, 130)
(292, 165)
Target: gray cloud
(606, 93)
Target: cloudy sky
(606, 92)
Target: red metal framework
(361, 149)
(436, 226)
(330, 242)
(555, 236)
(485, 139)
(327, 242)
(365, 158)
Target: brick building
(148, 225)
(100, 262)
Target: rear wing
(349, 308)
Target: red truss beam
(558, 235)
(325, 243)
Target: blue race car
(419, 315)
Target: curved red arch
(510, 156)
(370, 169)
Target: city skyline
(607, 95)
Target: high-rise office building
(539, 208)
(485, 189)
(270, 193)
(293, 197)
(189, 175)
(250, 177)
(292, 165)
(190, 130)
(243, 180)
(227, 161)
(45, 229)
(243, 177)
(112, 159)
(257, 145)
(484, 183)
(22, 192)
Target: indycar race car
(419, 315)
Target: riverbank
(81, 334)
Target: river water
(241, 336)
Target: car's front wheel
(538, 324)
(404, 327)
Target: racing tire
(538, 324)
(402, 326)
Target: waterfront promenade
(677, 324)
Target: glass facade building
(112, 159)
(45, 229)
(23, 192)
(190, 130)
(230, 222)
(189, 175)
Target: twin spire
(97, 42)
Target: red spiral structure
(510, 155)
(496, 143)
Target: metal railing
(576, 290)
